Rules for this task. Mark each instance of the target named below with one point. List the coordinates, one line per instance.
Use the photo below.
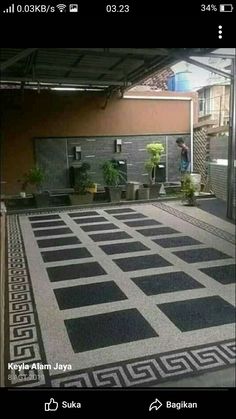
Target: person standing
(184, 166)
(184, 156)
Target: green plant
(155, 151)
(83, 180)
(189, 190)
(111, 173)
(35, 176)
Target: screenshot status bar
(116, 8)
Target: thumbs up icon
(51, 406)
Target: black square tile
(100, 227)
(130, 216)
(141, 262)
(199, 313)
(80, 270)
(223, 274)
(82, 214)
(200, 255)
(44, 217)
(168, 282)
(65, 254)
(52, 232)
(47, 224)
(86, 295)
(176, 241)
(90, 220)
(119, 210)
(142, 223)
(116, 235)
(103, 330)
(59, 241)
(112, 249)
(157, 231)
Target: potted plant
(155, 151)
(112, 176)
(189, 191)
(83, 183)
(35, 177)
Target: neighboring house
(214, 104)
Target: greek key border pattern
(24, 342)
(196, 222)
(151, 371)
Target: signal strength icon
(61, 7)
(9, 9)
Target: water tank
(171, 83)
(180, 82)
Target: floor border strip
(196, 222)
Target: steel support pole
(231, 144)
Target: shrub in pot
(112, 175)
(155, 151)
(35, 177)
(189, 191)
(83, 183)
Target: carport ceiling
(88, 68)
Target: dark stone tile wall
(95, 150)
(51, 156)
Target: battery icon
(226, 7)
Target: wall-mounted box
(118, 145)
(77, 153)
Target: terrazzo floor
(125, 296)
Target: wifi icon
(61, 7)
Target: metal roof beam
(66, 81)
(208, 67)
(216, 55)
(17, 57)
(140, 51)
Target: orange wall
(60, 114)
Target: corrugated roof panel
(47, 57)
(98, 61)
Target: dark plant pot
(190, 201)
(154, 190)
(107, 193)
(77, 199)
(114, 194)
(42, 200)
(143, 193)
